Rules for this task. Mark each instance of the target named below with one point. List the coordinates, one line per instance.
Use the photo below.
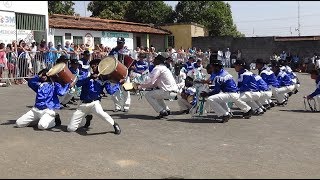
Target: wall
(257, 47)
(29, 7)
(182, 35)
(158, 41)
(106, 41)
(197, 31)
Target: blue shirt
(269, 77)
(140, 65)
(47, 93)
(114, 51)
(246, 81)
(283, 78)
(188, 66)
(317, 91)
(223, 82)
(92, 89)
(262, 85)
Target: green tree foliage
(61, 7)
(216, 16)
(156, 12)
(108, 9)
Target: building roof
(97, 24)
(184, 23)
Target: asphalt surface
(282, 143)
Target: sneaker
(272, 104)
(267, 106)
(225, 118)
(162, 114)
(88, 121)
(126, 110)
(248, 114)
(168, 112)
(295, 91)
(117, 129)
(57, 120)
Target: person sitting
(46, 102)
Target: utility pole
(253, 32)
(85, 9)
(298, 18)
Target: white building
(95, 31)
(26, 20)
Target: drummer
(74, 68)
(90, 101)
(46, 102)
(121, 98)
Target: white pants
(122, 98)
(228, 63)
(218, 102)
(296, 86)
(78, 117)
(279, 93)
(250, 98)
(184, 104)
(45, 117)
(265, 98)
(156, 99)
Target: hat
(240, 63)
(260, 61)
(33, 41)
(120, 40)
(74, 61)
(95, 61)
(217, 63)
(160, 58)
(86, 52)
(59, 44)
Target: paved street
(283, 143)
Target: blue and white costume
(46, 102)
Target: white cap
(33, 41)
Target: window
(67, 36)
(97, 40)
(77, 40)
(171, 41)
(138, 40)
(57, 40)
(30, 22)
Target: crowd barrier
(24, 65)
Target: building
(25, 20)
(182, 34)
(93, 31)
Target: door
(138, 40)
(57, 40)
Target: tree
(61, 7)
(108, 9)
(156, 12)
(216, 16)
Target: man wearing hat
(224, 90)
(248, 87)
(121, 98)
(162, 79)
(90, 101)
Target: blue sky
(263, 18)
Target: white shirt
(180, 80)
(227, 54)
(162, 78)
(220, 55)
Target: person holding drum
(121, 98)
(46, 102)
(161, 78)
(90, 101)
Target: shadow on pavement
(9, 122)
(134, 116)
(299, 111)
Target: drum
(60, 73)
(114, 69)
(128, 61)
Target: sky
(263, 18)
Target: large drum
(60, 73)
(112, 68)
